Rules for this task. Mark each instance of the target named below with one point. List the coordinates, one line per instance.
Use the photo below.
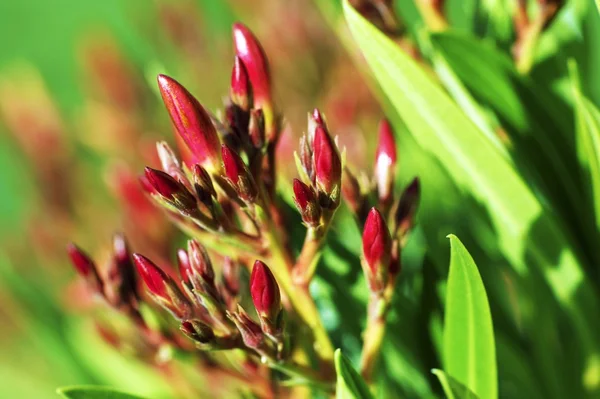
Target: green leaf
(588, 139)
(469, 352)
(452, 388)
(93, 392)
(350, 384)
(527, 234)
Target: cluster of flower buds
(118, 285)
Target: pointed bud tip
(387, 142)
(376, 240)
(154, 278)
(82, 262)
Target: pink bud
(191, 121)
(328, 165)
(185, 269)
(306, 202)
(251, 332)
(240, 86)
(385, 161)
(239, 176)
(200, 261)
(265, 292)
(377, 244)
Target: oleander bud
(192, 122)
(377, 245)
(265, 293)
(172, 191)
(407, 208)
(203, 185)
(306, 202)
(385, 162)
(328, 168)
(86, 268)
(198, 332)
(238, 175)
(162, 288)
(240, 91)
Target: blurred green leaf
(469, 348)
(93, 392)
(452, 388)
(350, 384)
(588, 139)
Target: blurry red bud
(240, 86)
(256, 128)
(198, 331)
(385, 161)
(86, 268)
(167, 157)
(306, 202)
(377, 245)
(121, 275)
(407, 207)
(250, 331)
(191, 121)
(352, 192)
(231, 276)
(205, 190)
(265, 292)
(185, 269)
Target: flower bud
(306, 202)
(192, 122)
(407, 208)
(86, 268)
(328, 168)
(205, 190)
(315, 120)
(265, 292)
(172, 191)
(162, 288)
(168, 160)
(256, 128)
(238, 175)
(385, 162)
(198, 331)
(250, 331)
(351, 192)
(253, 57)
(231, 276)
(185, 269)
(121, 275)
(377, 245)
(240, 86)
(200, 262)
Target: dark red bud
(122, 274)
(328, 165)
(238, 175)
(171, 190)
(407, 207)
(253, 57)
(240, 86)
(377, 244)
(192, 122)
(250, 331)
(306, 202)
(86, 268)
(154, 278)
(205, 190)
(265, 292)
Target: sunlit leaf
(350, 384)
(452, 388)
(93, 392)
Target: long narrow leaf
(452, 388)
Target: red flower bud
(200, 262)
(205, 190)
(256, 128)
(162, 288)
(385, 161)
(306, 201)
(191, 121)
(121, 275)
(154, 278)
(407, 207)
(377, 245)
(240, 86)
(231, 276)
(251, 332)
(328, 165)
(265, 292)
(238, 175)
(185, 269)
(86, 268)
(171, 190)
(252, 55)
(168, 160)
(352, 192)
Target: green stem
(375, 331)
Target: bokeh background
(79, 115)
